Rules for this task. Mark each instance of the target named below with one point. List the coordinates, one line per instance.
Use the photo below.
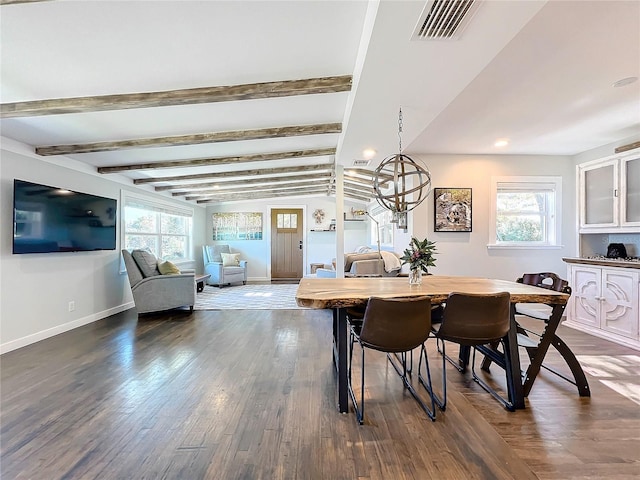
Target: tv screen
(51, 219)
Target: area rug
(248, 297)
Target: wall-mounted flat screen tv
(51, 219)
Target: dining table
(338, 294)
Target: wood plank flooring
(251, 395)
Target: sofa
(365, 264)
(223, 271)
(153, 291)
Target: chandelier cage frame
(401, 168)
(397, 200)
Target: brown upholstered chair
(471, 320)
(394, 326)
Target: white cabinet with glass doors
(609, 194)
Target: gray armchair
(153, 292)
(221, 274)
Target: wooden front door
(286, 244)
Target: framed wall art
(237, 226)
(452, 209)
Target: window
(384, 227)
(162, 228)
(287, 221)
(526, 212)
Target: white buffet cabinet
(605, 300)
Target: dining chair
(472, 320)
(534, 340)
(395, 326)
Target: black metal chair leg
(431, 412)
(358, 409)
(441, 402)
(506, 403)
(402, 371)
(448, 358)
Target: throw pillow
(168, 268)
(147, 262)
(230, 259)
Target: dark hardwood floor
(251, 395)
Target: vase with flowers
(419, 256)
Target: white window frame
(554, 215)
(159, 206)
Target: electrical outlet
(72, 306)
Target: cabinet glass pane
(599, 195)
(633, 190)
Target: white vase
(415, 276)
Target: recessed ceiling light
(501, 142)
(369, 153)
(625, 81)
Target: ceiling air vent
(445, 19)
(361, 163)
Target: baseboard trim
(65, 327)
(258, 279)
(596, 332)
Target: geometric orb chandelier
(410, 183)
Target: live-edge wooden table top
(349, 292)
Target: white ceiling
(538, 73)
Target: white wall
(603, 151)
(37, 288)
(467, 253)
(320, 246)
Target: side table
(200, 279)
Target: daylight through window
(383, 217)
(163, 229)
(526, 211)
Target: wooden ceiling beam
(235, 173)
(15, 2)
(626, 148)
(357, 197)
(250, 196)
(283, 188)
(351, 172)
(353, 194)
(360, 193)
(207, 162)
(189, 96)
(195, 139)
(367, 190)
(359, 181)
(279, 188)
(264, 188)
(220, 186)
(286, 193)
